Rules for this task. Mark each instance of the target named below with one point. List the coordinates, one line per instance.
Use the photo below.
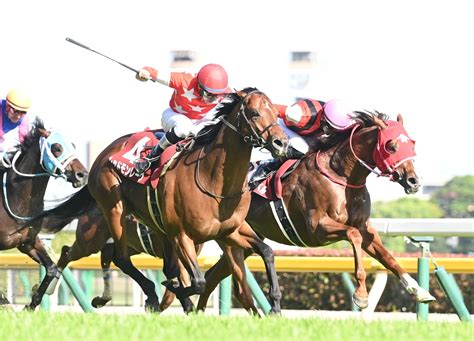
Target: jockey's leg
(177, 127)
(297, 148)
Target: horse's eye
(56, 149)
(391, 146)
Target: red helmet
(213, 78)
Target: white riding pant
(295, 140)
(183, 125)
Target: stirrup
(141, 165)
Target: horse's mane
(34, 134)
(364, 119)
(224, 108)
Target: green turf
(80, 326)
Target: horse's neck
(228, 160)
(20, 187)
(345, 163)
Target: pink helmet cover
(338, 114)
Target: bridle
(392, 173)
(46, 157)
(255, 139)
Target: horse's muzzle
(279, 147)
(80, 179)
(411, 185)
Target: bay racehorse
(93, 236)
(43, 154)
(325, 199)
(202, 195)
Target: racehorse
(43, 154)
(93, 236)
(325, 199)
(201, 196)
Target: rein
(332, 178)
(370, 168)
(362, 162)
(202, 188)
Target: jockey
(306, 117)
(14, 125)
(193, 97)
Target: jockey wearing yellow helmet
(14, 125)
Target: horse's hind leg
(39, 254)
(372, 244)
(109, 197)
(106, 256)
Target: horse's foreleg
(235, 259)
(372, 244)
(39, 254)
(175, 273)
(106, 256)
(187, 255)
(360, 296)
(214, 276)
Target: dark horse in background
(43, 154)
(93, 236)
(202, 196)
(325, 200)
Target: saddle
(139, 145)
(271, 188)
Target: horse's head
(394, 154)
(58, 158)
(258, 122)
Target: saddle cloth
(139, 145)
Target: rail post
(225, 296)
(453, 293)
(422, 309)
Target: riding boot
(142, 164)
(265, 168)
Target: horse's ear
(379, 122)
(43, 132)
(400, 119)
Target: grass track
(86, 327)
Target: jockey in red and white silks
(191, 104)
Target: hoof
(423, 296)
(152, 307)
(3, 299)
(361, 302)
(99, 302)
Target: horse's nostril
(81, 175)
(413, 181)
(277, 143)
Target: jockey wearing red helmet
(193, 97)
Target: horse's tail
(57, 218)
